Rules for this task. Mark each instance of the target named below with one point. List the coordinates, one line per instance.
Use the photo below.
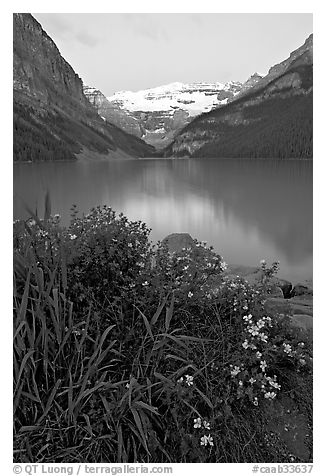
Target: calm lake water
(247, 209)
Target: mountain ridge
(53, 120)
(273, 118)
(157, 114)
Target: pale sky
(132, 51)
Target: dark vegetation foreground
(126, 353)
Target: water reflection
(247, 210)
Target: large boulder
(304, 288)
(177, 241)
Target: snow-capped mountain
(157, 114)
(193, 98)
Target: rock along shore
(286, 297)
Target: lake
(247, 209)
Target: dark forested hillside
(53, 120)
(273, 119)
(284, 130)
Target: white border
(168, 6)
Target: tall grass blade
(49, 402)
(47, 207)
(147, 324)
(158, 311)
(169, 314)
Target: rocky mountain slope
(272, 118)
(157, 114)
(53, 120)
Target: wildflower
(245, 344)
(262, 262)
(270, 395)
(302, 361)
(129, 245)
(206, 425)
(189, 380)
(205, 440)
(197, 422)
(127, 385)
(180, 380)
(223, 265)
(252, 380)
(247, 318)
(258, 354)
(245, 308)
(287, 348)
(145, 283)
(253, 331)
(240, 383)
(73, 237)
(186, 267)
(256, 401)
(235, 371)
(190, 294)
(263, 365)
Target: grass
(119, 346)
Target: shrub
(124, 352)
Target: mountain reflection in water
(246, 209)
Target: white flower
(252, 380)
(240, 383)
(197, 423)
(253, 331)
(262, 262)
(247, 318)
(258, 354)
(205, 440)
(185, 268)
(287, 348)
(180, 380)
(223, 265)
(73, 237)
(263, 337)
(263, 365)
(190, 294)
(129, 245)
(145, 283)
(235, 371)
(189, 380)
(270, 395)
(256, 401)
(206, 425)
(245, 344)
